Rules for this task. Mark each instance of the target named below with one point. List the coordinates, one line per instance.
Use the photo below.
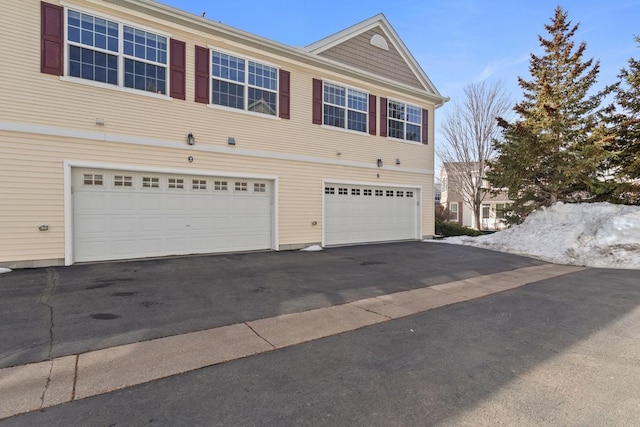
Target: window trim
(120, 53)
(457, 211)
(245, 85)
(405, 122)
(346, 108)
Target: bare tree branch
(469, 130)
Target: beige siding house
(131, 129)
(453, 197)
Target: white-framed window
(409, 193)
(389, 193)
(240, 186)
(367, 192)
(244, 84)
(122, 181)
(404, 121)
(150, 182)
(379, 193)
(343, 191)
(355, 191)
(486, 211)
(92, 179)
(329, 190)
(453, 212)
(220, 185)
(198, 184)
(400, 193)
(176, 183)
(344, 107)
(259, 187)
(110, 52)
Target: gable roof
(374, 27)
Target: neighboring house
(452, 198)
(132, 129)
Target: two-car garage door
(123, 214)
(361, 213)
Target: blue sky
(456, 42)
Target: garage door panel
(359, 213)
(144, 220)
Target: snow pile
(314, 248)
(4, 270)
(591, 234)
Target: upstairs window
(107, 51)
(404, 121)
(243, 84)
(344, 107)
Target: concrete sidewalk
(39, 385)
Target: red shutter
(372, 115)
(51, 39)
(284, 94)
(203, 76)
(177, 69)
(425, 126)
(383, 116)
(317, 102)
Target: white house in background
(131, 129)
(452, 198)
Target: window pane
(228, 94)
(414, 115)
(92, 31)
(413, 132)
(396, 129)
(90, 65)
(357, 100)
(396, 110)
(334, 94)
(262, 101)
(357, 121)
(144, 45)
(147, 77)
(334, 116)
(263, 76)
(228, 67)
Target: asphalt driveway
(558, 351)
(52, 312)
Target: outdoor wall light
(397, 161)
(231, 141)
(191, 139)
(379, 163)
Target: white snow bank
(314, 248)
(590, 234)
(4, 270)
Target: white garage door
(358, 214)
(120, 214)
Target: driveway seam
(52, 283)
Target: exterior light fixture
(379, 163)
(397, 161)
(231, 140)
(191, 139)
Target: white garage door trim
(417, 232)
(68, 165)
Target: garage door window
(379, 193)
(259, 187)
(92, 179)
(241, 186)
(409, 193)
(199, 184)
(150, 182)
(220, 185)
(176, 183)
(329, 190)
(122, 181)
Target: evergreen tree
(624, 137)
(550, 152)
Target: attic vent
(378, 41)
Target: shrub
(450, 229)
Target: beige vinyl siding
(359, 53)
(31, 165)
(34, 195)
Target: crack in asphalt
(52, 283)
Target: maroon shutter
(425, 126)
(317, 102)
(383, 116)
(177, 69)
(51, 39)
(284, 94)
(372, 115)
(203, 77)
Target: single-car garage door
(360, 213)
(123, 214)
